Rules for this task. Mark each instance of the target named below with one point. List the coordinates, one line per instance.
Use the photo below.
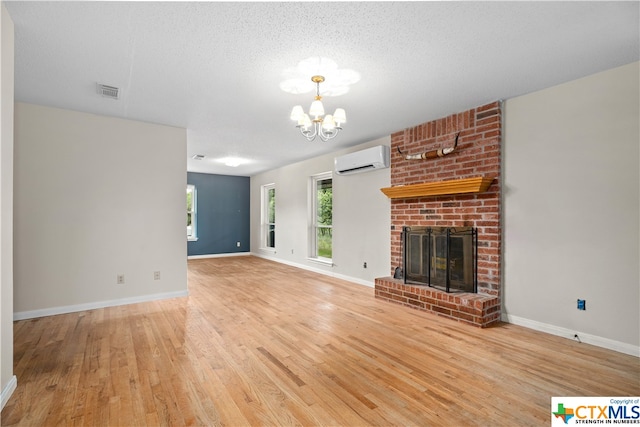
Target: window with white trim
(321, 217)
(268, 216)
(191, 213)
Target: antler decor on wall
(431, 154)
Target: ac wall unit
(363, 161)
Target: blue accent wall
(222, 214)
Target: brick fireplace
(442, 192)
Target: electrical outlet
(238, 244)
(582, 304)
(120, 279)
(364, 265)
(156, 275)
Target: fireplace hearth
(441, 257)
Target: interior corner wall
(222, 214)
(361, 217)
(571, 208)
(96, 197)
(7, 379)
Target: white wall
(8, 380)
(96, 197)
(571, 209)
(361, 217)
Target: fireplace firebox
(441, 257)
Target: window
(322, 217)
(269, 216)
(191, 213)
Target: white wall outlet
(120, 279)
(238, 244)
(156, 275)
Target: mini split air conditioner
(363, 161)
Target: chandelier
(326, 127)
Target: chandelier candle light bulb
(327, 127)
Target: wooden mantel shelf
(478, 184)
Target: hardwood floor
(261, 343)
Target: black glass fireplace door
(441, 257)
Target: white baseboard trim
(569, 334)
(22, 315)
(8, 390)
(317, 270)
(219, 255)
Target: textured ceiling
(215, 68)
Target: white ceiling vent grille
(108, 91)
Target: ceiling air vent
(108, 91)
(198, 157)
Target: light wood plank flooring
(261, 343)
